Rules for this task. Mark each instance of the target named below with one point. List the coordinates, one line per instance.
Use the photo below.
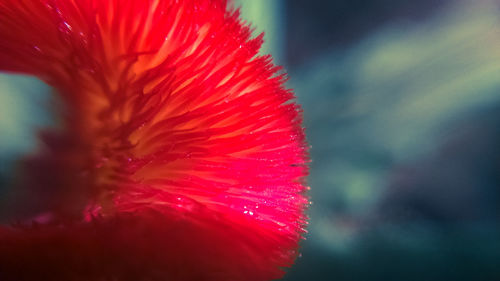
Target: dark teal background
(402, 110)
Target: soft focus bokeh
(401, 104)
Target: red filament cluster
(180, 156)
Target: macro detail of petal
(180, 154)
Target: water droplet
(68, 26)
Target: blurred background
(401, 104)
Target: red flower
(180, 155)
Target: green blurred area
(266, 16)
(404, 133)
(24, 110)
